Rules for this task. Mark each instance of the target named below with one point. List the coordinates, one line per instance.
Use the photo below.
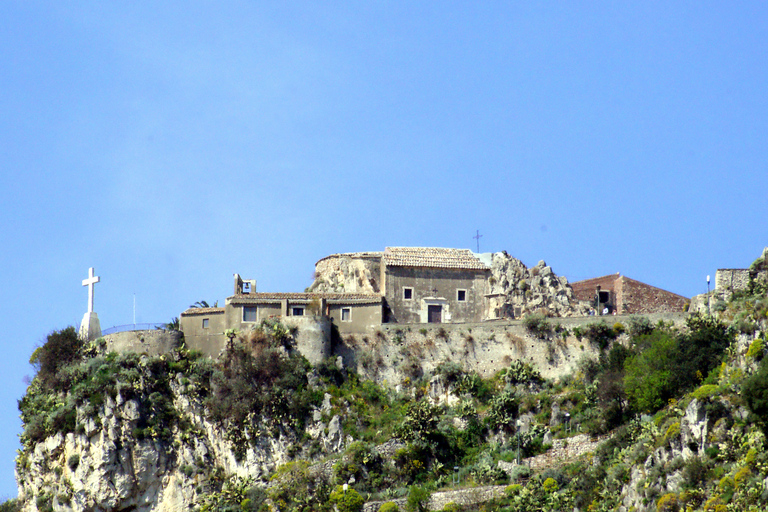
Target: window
(297, 311)
(346, 314)
(205, 323)
(249, 314)
(246, 287)
(407, 293)
(461, 295)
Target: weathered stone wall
(438, 500)
(394, 352)
(313, 336)
(729, 280)
(358, 272)
(152, 342)
(209, 340)
(438, 284)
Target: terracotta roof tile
(202, 311)
(255, 298)
(435, 257)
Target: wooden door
(434, 314)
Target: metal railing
(133, 327)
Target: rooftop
(261, 297)
(434, 257)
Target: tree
(755, 393)
(61, 349)
(648, 379)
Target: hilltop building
(627, 296)
(357, 292)
(401, 285)
(417, 284)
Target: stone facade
(457, 285)
(312, 314)
(729, 280)
(151, 342)
(627, 296)
(434, 295)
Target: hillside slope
(661, 417)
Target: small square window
(297, 311)
(249, 314)
(461, 295)
(407, 293)
(346, 314)
(205, 323)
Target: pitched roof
(262, 297)
(434, 257)
(202, 311)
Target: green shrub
(11, 505)
(756, 349)
(418, 499)
(347, 501)
(538, 325)
(755, 394)
(389, 506)
(450, 371)
(61, 349)
(673, 432)
(705, 392)
(600, 334)
(73, 461)
(503, 411)
(520, 372)
(639, 326)
(648, 379)
(695, 472)
(668, 503)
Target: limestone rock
(515, 290)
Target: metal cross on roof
(477, 237)
(92, 280)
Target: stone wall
(394, 352)
(438, 500)
(313, 336)
(729, 280)
(435, 286)
(152, 342)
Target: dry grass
(516, 342)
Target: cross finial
(477, 237)
(89, 283)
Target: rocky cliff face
(110, 464)
(517, 290)
(347, 273)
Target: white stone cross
(89, 283)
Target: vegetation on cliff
(681, 410)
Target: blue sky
(170, 146)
